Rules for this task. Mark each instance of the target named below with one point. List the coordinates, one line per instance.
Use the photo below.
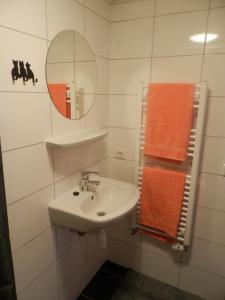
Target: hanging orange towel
(58, 95)
(161, 200)
(169, 120)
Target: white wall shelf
(77, 139)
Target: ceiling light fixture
(200, 38)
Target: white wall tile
(64, 15)
(102, 75)
(214, 72)
(215, 117)
(159, 267)
(207, 256)
(213, 157)
(121, 139)
(174, 6)
(204, 284)
(121, 169)
(71, 260)
(94, 262)
(211, 191)
(44, 286)
(75, 285)
(33, 258)
(22, 52)
(64, 238)
(26, 171)
(80, 1)
(98, 116)
(64, 126)
(101, 7)
(172, 39)
(92, 240)
(121, 231)
(68, 161)
(177, 69)
(30, 20)
(30, 169)
(132, 10)
(67, 184)
(125, 75)
(155, 246)
(29, 217)
(217, 3)
(209, 224)
(123, 111)
(97, 151)
(131, 39)
(97, 34)
(123, 254)
(24, 119)
(101, 167)
(216, 26)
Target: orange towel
(161, 200)
(58, 95)
(169, 120)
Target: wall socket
(120, 153)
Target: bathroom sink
(91, 211)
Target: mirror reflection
(71, 74)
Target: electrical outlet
(120, 153)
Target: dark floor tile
(153, 289)
(102, 286)
(114, 268)
(82, 298)
(125, 293)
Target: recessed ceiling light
(200, 38)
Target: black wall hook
(19, 71)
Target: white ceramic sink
(91, 211)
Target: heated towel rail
(191, 166)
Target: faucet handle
(87, 173)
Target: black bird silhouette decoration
(20, 71)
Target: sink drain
(101, 213)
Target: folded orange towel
(161, 200)
(169, 120)
(58, 95)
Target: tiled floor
(118, 283)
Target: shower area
(7, 282)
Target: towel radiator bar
(184, 231)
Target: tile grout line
(23, 147)
(14, 252)
(77, 172)
(22, 92)
(93, 11)
(210, 208)
(132, 19)
(31, 194)
(23, 32)
(164, 15)
(204, 48)
(38, 275)
(55, 261)
(153, 41)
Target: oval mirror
(71, 74)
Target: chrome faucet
(85, 183)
